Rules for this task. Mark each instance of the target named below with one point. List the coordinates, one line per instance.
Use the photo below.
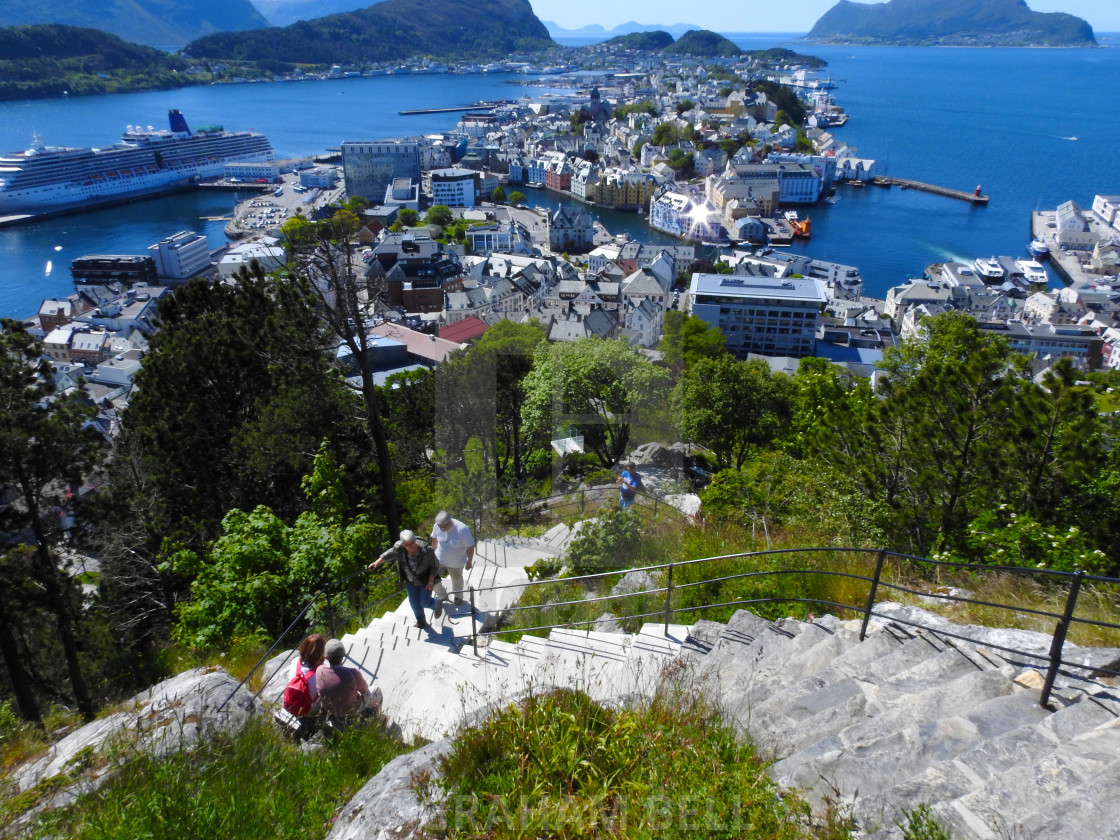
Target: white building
(453, 187)
(764, 315)
(181, 256)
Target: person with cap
(454, 548)
(630, 482)
(342, 690)
(418, 570)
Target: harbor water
(953, 117)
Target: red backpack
(297, 693)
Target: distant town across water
(957, 118)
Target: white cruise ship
(145, 161)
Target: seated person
(342, 690)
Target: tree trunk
(17, 674)
(48, 575)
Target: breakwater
(906, 184)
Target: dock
(905, 183)
(452, 110)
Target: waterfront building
(1107, 208)
(252, 171)
(1074, 231)
(624, 189)
(369, 167)
(682, 211)
(181, 256)
(823, 165)
(764, 315)
(570, 230)
(453, 187)
(126, 269)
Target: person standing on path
(630, 482)
(454, 548)
(418, 570)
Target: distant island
(594, 30)
(1002, 23)
(394, 29)
(155, 23)
(696, 42)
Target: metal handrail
(1054, 658)
(325, 591)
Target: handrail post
(474, 624)
(330, 609)
(871, 594)
(1059, 640)
(669, 599)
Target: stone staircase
(902, 718)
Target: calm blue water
(955, 117)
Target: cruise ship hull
(49, 179)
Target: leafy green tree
(235, 395)
(498, 196)
(46, 448)
(440, 214)
(733, 408)
(408, 217)
(684, 105)
(593, 386)
(324, 268)
(260, 573)
(685, 339)
(517, 198)
(1005, 538)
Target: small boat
(1038, 249)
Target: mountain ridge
(949, 23)
(154, 23)
(390, 30)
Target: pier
(445, 110)
(905, 183)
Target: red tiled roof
(462, 331)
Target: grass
(241, 785)
(560, 765)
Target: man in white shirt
(454, 547)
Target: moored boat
(1038, 249)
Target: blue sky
(762, 15)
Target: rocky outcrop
(171, 715)
(389, 807)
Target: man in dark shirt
(418, 569)
(342, 690)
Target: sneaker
(438, 611)
(420, 625)
(459, 600)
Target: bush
(610, 541)
(560, 765)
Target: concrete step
(1056, 785)
(872, 752)
(515, 552)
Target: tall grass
(560, 765)
(243, 786)
(798, 584)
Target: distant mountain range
(1005, 23)
(155, 23)
(596, 31)
(389, 31)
